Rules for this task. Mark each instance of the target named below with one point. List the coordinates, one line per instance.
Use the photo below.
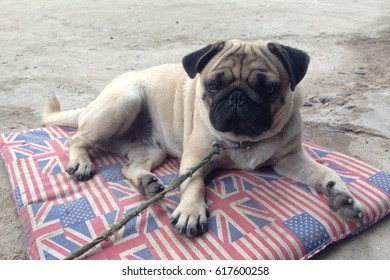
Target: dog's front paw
(190, 218)
(342, 201)
(81, 170)
(149, 185)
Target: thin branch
(128, 216)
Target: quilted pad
(254, 215)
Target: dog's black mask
(242, 108)
(239, 115)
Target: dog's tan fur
(178, 111)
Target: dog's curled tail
(53, 116)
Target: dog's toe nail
(70, 171)
(182, 230)
(174, 221)
(202, 227)
(192, 232)
(72, 168)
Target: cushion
(254, 215)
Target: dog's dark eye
(212, 88)
(269, 89)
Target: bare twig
(128, 216)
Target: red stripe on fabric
(276, 244)
(291, 206)
(77, 238)
(349, 165)
(356, 162)
(322, 211)
(269, 204)
(256, 245)
(143, 219)
(381, 198)
(286, 237)
(94, 194)
(38, 232)
(246, 249)
(261, 236)
(105, 193)
(59, 250)
(59, 189)
(42, 211)
(201, 248)
(171, 233)
(269, 191)
(172, 243)
(162, 245)
(223, 250)
(24, 186)
(373, 203)
(36, 179)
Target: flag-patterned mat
(254, 215)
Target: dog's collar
(242, 145)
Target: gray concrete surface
(73, 48)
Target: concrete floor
(74, 48)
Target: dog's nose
(237, 97)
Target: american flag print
(253, 215)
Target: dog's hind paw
(149, 185)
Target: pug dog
(242, 95)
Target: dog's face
(247, 86)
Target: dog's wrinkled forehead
(241, 58)
(244, 57)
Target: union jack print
(253, 215)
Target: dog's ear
(194, 62)
(294, 61)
